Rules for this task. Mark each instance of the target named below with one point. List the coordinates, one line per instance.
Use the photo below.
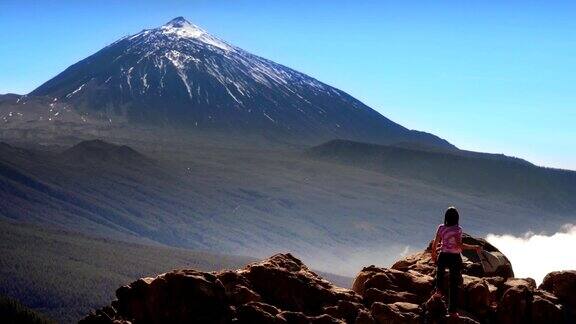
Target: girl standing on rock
(449, 241)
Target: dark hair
(451, 216)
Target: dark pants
(452, 261)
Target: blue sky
(494, 76)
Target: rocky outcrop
(562, 284)
(281, 289)
(488, 294)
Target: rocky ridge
(281, 289)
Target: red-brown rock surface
(281, 289)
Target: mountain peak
(179, 74)
(178, 22)
(183, 28)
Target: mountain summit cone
(179, 75)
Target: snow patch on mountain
(75, 91)
(180, 27)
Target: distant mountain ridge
(488, 174)
(180, 75)
(99, 150)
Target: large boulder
(476, 297)
(497, 265)
(562, 284)
(284, 281)
(181, 296)
(515, 305)
(393, 280)
(545, 311)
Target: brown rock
(407, 307)
(364, 317)
(437, 313)
(286, 282)
(389, 296)
(181, 296)
(365, 274)
(544, 311)
(301, 318)
(435, 310)
(332, 311)
(258, 313)
(501, 265)
(282, 290)
(495, 286)
(515, 305)
(293, 317)
(242, 295)
(345, 310)
(546, 295)
(395, 313)
(324, 319)
(394, 280)
(563, 285)
(526, 282)
(477, 299)
(498, 282)
(420, 262)
(238, 289)
(461, 320)
(266, 307)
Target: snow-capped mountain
(180, 75)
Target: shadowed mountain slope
(498, 176)
(250, 201)
(99, 151)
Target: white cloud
(535, 255)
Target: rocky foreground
(281, 289)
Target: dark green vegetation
(12, 312)
(65, 274)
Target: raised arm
(465, 246)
